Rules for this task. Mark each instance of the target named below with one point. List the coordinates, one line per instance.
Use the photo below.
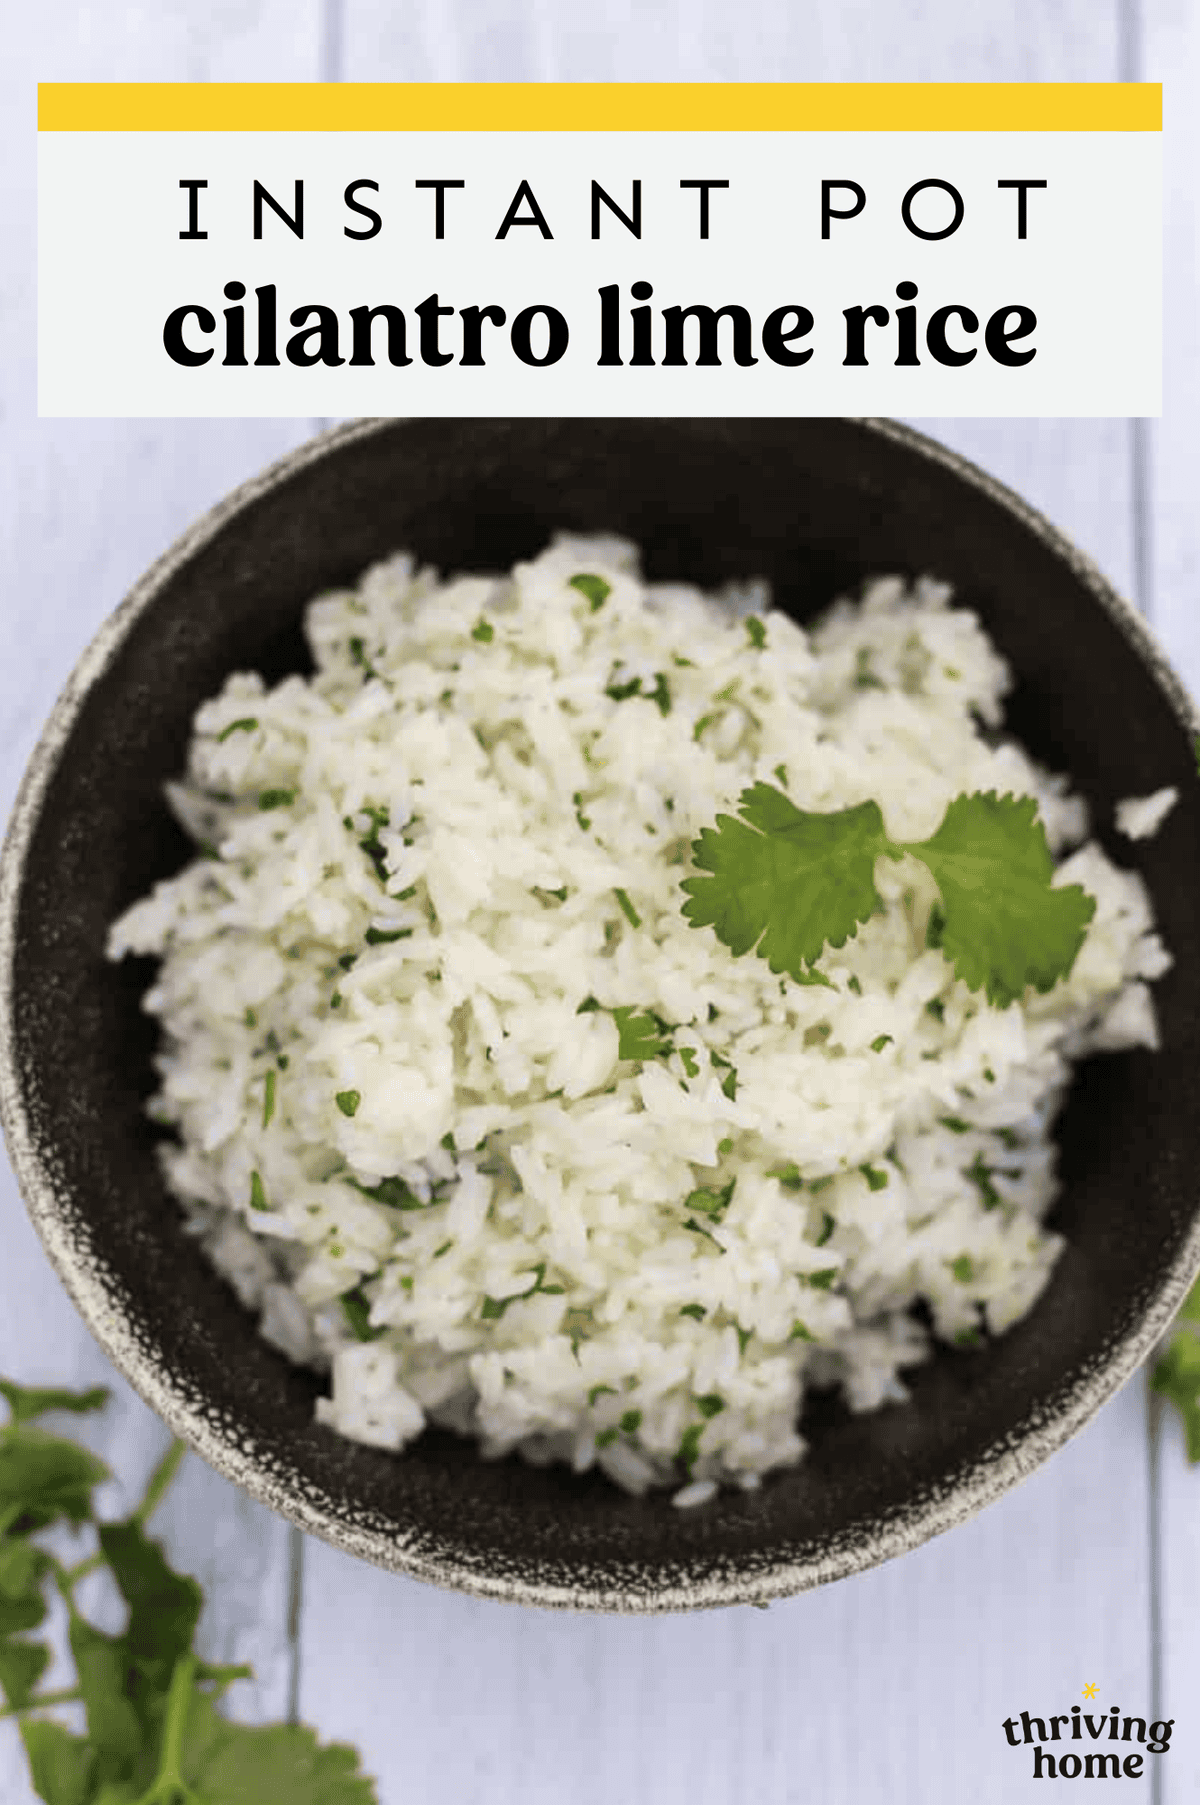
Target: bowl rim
(984, 1478)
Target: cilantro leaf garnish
(154, 1735)
(1004, 925)
(1176, 1375)
(783, 881)
(348, 1101)
(789, 883)
(269, 799)
(756, 631)
(26, 1402)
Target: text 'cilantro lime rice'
(580, 1024)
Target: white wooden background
(888, 1687)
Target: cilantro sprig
(1176, 1374)
(154, 1735)
(789, 883)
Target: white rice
(887, 1141)
(1140, 817)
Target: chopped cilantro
(963, 1268)
(624, 692)
(696, 1311)
(781, 774)
(955, 1124)
(392, 1192)
(789, 883)
(627, 909)
(606, 1437)
(788, 1176)
(683, 663)
(246, 725)
(348, 1102)
(705, 721)
(494, 1307)
(582, 819)
(357, 1312)
(875, 1176)
(258, 1193)
(447, 1141)
(710, 1203)
(756, 631)
(484, 632)
(1009, 1139)
(730, 1084)
(690, 1063)
(821, 1184)
(358, 653)
(268, 799)
(880, 1042)
(371, 843)
(745, 1336)
(335, 1001)
(385, 936)
(689, 1447)
(698, 1228)
(864, 677)
(725, 1146)
(800, 1333)
(935, 927)
(989, 1074)
(347, 961)
(250, 1019)
(631, 1422)
(936, 1008)
(853, 984)
(827, 1227)
(822, 1280)
(980, 1175)
(444, 1248)
(640, 1034)
(268, 1098)
(594, 588)
(661, 694)
(598, 1391)
(589, 1006)
(405, 895)
(710, 1404)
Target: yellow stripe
(600, 106)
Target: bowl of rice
(602, 1012)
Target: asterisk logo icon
(1090, 1691)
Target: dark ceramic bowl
(814, 505)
